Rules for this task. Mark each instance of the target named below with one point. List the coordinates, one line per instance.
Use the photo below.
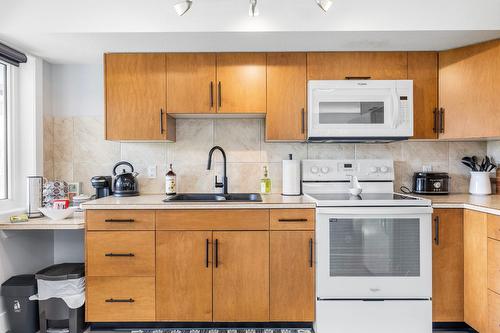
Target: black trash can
(54, 312)
(22, 314)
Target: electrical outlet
(152, 171)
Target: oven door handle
(386, 212)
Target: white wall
(77, 90)
(68, 246)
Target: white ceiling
(70, 31)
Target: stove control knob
(373, 169)
(384, 169)
(314, 170)
(325, 169)
(436, 185)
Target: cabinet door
(494, 312)
(241, 276)
(241, 82)
(286, 97)
(340, 65)
(468, 91)
(184, 276)
(423, 70)
(448, 266)
(475, 270)
(135, 97)
(191, 83)
(292, 295)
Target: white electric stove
(373, 250)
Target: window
(3, 132)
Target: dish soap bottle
(265, 183)
(170, 182)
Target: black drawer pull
(127, 300)
(292, 220)
(311, 254)
(119, 220)
(358, 77)
(119, 255)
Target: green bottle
(265, 182)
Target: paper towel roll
(291, 177)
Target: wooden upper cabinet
(339, 65)
(448, 266)
(468, 91)
(241, 82)
(423, 70)
(136, 107)
(286, 97)
(292, 276)
(241, 276)
(191, 83)
(475, 270)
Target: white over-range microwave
(360, 110)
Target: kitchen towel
(291, 176)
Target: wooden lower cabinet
(292, 295)
(448, 266)
(475, 270)
(184, 272)
(115, 299)
(241, 276)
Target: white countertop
(483, 203)
(154, 201)
(45, 223)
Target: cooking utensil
(125, 183)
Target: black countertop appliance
(431, 183)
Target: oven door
(352, 109)
(374, 253)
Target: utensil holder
(480, 183)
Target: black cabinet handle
(126, 300)
(436, 230)
(206, 253)
(436, 120)
(161, 122)
(311, 252)
(358, 77)
(211, 94)
(119, 255)
(292, 220)
(303, 115)
(219, 91)
(441, 120)
(119, 220)
(216, 253)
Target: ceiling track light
(324, 4)
(182, 7)
(252, 8)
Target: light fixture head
(252, 8)
(324, 4)
(182, 7)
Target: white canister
(480, 183)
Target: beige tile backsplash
(75, 150)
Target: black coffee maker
(102, 185)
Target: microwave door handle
(395, 114)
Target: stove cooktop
(367, 199)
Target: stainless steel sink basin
(215, 197)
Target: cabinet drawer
(493, 312)
(494, 226)
(292, 219)
(494, 265)
(222, 219)
(115, 299)
(121, 253)
(120, 219)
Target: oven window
(351, 113)
(374, 247)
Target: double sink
(214, 197)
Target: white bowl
(58, 214)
